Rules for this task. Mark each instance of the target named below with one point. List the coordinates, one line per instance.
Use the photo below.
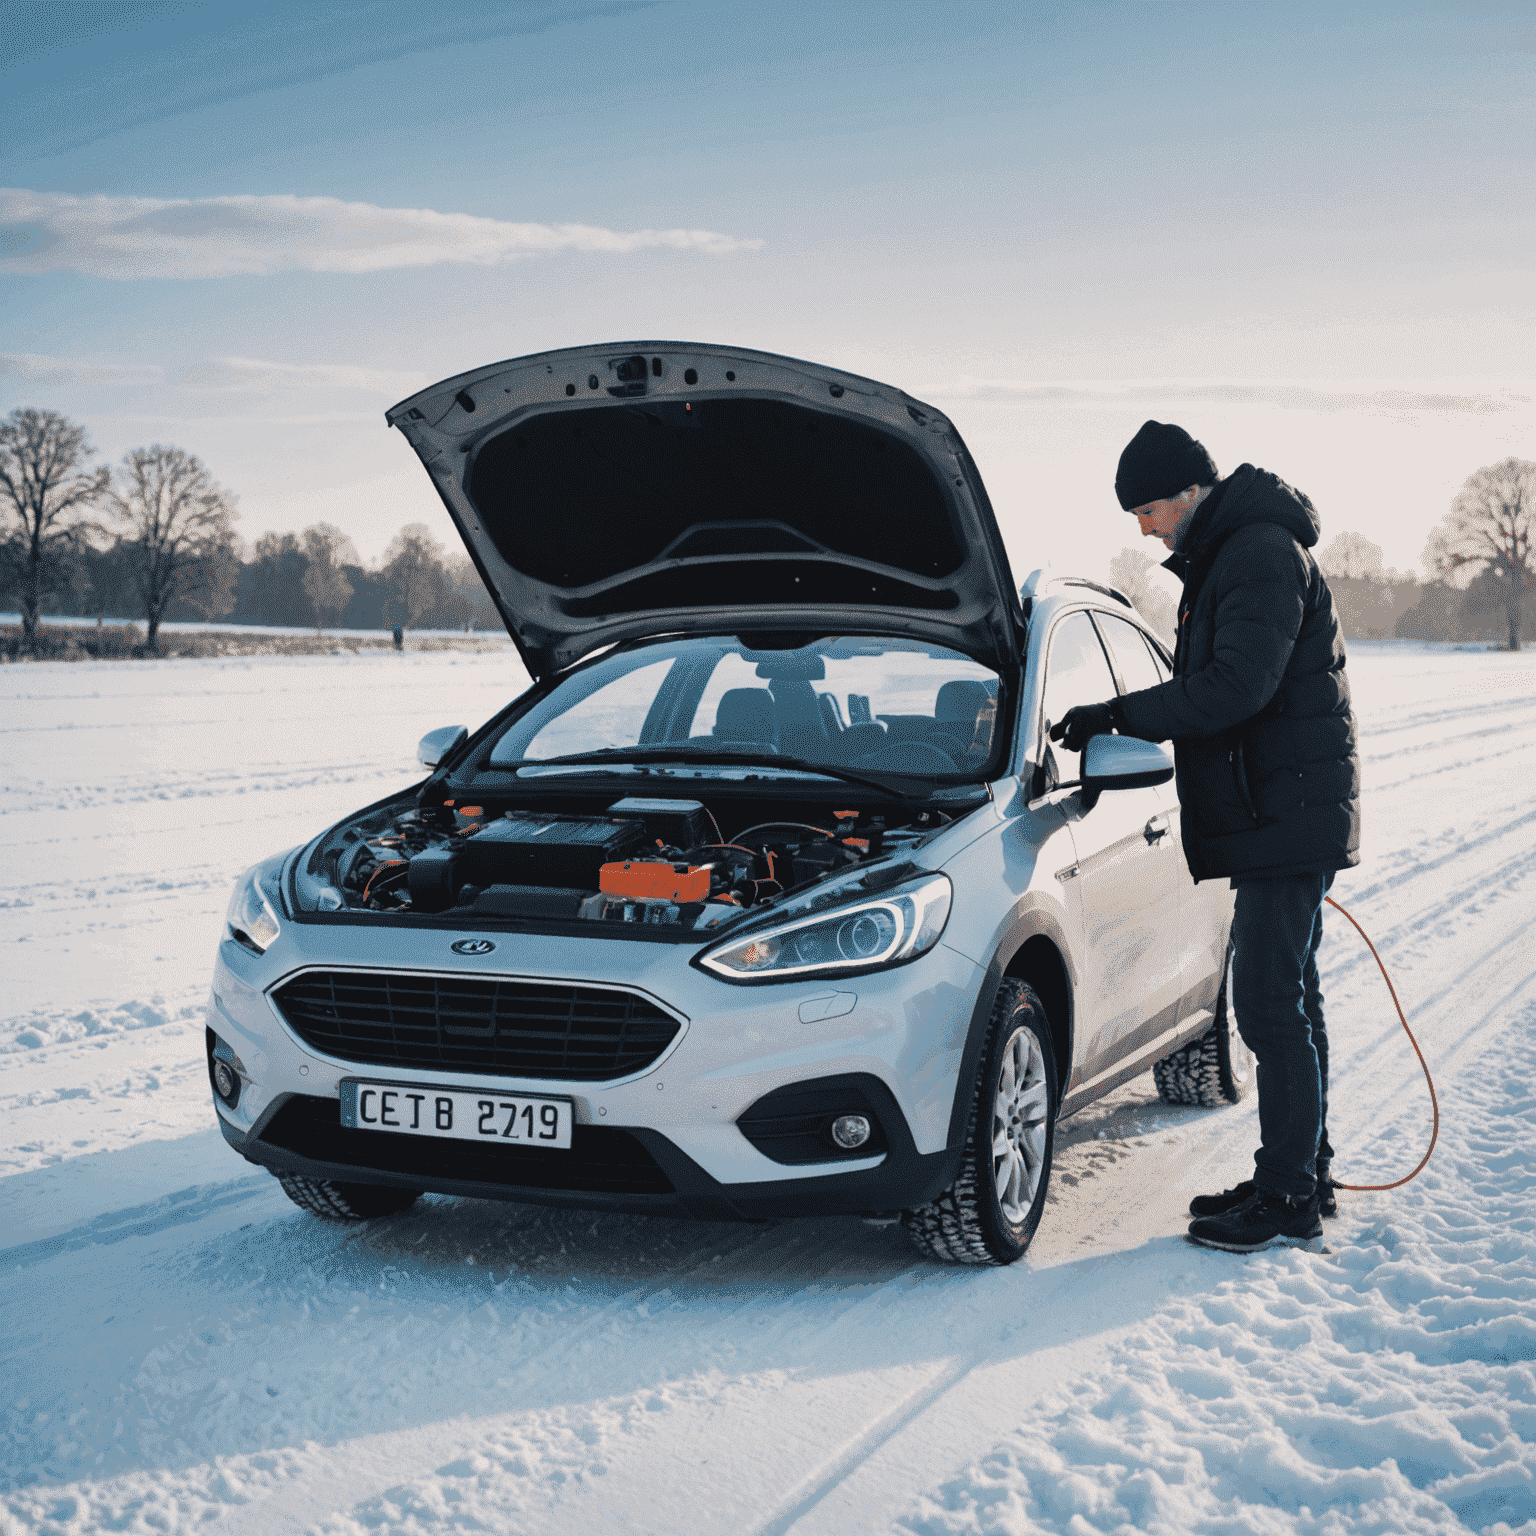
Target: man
(1269, 788)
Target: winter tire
(346, 1202)
(1216, 1068)
(989, 1214)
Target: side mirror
(436, 745)
(1123, 762)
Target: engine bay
(662, 863)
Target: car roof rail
(1097, 586)
(1036, 583)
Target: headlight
(863, 934)
(252, 914)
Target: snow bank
(47, 1027)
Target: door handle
(1157, 827)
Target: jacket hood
(639, 489)
(1251, 495)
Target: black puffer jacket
(1258, 709)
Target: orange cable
(737, 846)
(1403, 1019)
(384, 865)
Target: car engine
(647, 861)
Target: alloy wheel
(1019, 1125)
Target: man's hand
(1077, 725)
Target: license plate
(408, 1109)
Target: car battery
(656, 880)
(681, 824)
(548, 849)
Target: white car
(770, 896)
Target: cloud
(1290, 396)
(136, 237)
(34, 368)
(256, 375)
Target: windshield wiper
(693, 757)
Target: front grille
(600, 1161)
(476, 1024)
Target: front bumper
(664, 1139)
(663, 1180)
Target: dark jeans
(1276, 928)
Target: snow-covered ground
(219, 627)
(180, 1348)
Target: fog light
(225, 1082)
(850, 1131)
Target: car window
(1130, 652)
(888, 704)
(610, 715)
(732, 671)
(1159, 666)
(904, 691)
(1076, 672)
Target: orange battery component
(655, 880)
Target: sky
(1303, 231)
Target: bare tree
(413, 568)
(1352, 557)
(1134, 574)
(47, 491)
(326, 584)
(278, 566)
(216, 581)
(172, 519)
(1488, 529)
(467, 601)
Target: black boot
(1219, 1205)
(1327, 1204)
(1263, 1220)
(1230, 1199)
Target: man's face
(1163, 519)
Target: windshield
(849, 703)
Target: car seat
(797, 714)
(744, 714)
(955, 711)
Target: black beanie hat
(1160, 461)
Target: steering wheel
(909, 757)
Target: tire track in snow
(1493, 836)
(306, 1478)
(1496, 708)
(802, 1499)
(1458, 765)
(178, 1209)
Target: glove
(1077, 725)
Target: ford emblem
(473, 947)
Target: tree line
(1482, 571)
(153, 537)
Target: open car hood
(619, 492)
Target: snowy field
(180, 1348)
(218, 627)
